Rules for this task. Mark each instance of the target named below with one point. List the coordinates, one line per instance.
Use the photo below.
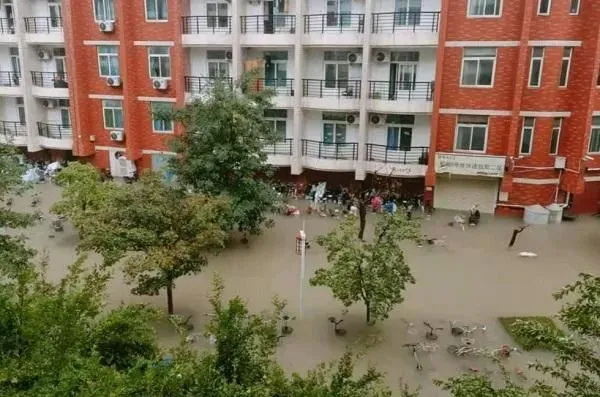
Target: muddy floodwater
(472, 279)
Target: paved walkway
(474, 279)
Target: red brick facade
(529, 179)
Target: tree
(475, 385)
(161, 232)
(221, 151)
(376, 272)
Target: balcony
(50, 85)
(268, 30)
(13, 133)
(282, 88)
(10, 84)
(7, 31)
(331, 94)
(324, 156)
(206, 31)
(55, 136)
(401, 96)
(44, 30)
(397, 161)
(333, 29)
(199, 87)
(405, 28)
(279, 153)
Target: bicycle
(420, 346)
(465, 329)
(503, 352)
(431, 335)
(465, 350)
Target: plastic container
(556, 213)
(536, 215)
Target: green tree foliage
(161, 232)
(475, 385)
(221, 151)
(373, 272)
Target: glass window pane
(340, 133)
(328, 133)
(480, 51)
(595, 141)
(486, 71)
(280, 129)
(526, 141)
(393, 134)
(478, 139)
(330, 75)
(151, 9)
(534, 78)
(108, 118)
(463, 140)
(118, 116)
(469, 76)
(554, 140)
(154, 67)
(564, 72)
(165, 66)
(162, 9)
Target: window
(218, 65)
(536, 66)
(471, 133)
(217, 15)
(595, 136)
(159, 62)
(544, 7)
(565, 66)
(15, 65)
(104, 10)
(399, 138)
(65, 117)
(337, 69)
(527, 135)
(279, 119)
(339, 12)
(161, 120)
(276, 68)
(334, 128)
(108, 60)
(574, 8)
(407, 13)
(55, 9)
(554, 139)
(157, 10)
(484, 8)
(113, 114)
(21, 110)
(478, 67)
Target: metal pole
(302, 267)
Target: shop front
(464, 180)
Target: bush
(522, 340)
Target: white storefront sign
(462, 164)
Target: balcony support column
(360, 172)
(296, 163)
(237, 68)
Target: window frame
(150, 56)
(335, 131)
(108, 55)
(113, 109)
(539, 8)
(275, 120)
(500, 4)
(471, 126)
(156, 4)
(96, 19)
(479, 58)
(535, 58)
(562, 60)
(531, 128)
(154, 104)
(559, 129)
(594, 128)
(571, 7)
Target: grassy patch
(523, 341)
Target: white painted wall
(420, 137)
(314, 64)
(34, 8)
(5, 65)
(313, 127)
(390, 5)
(425, 68)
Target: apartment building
(490, 102)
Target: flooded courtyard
(472, 279)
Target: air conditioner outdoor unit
(560, 162)
(117, 136)
(352, 118)
(353, 57)
(382, 56)
(107, 26)
(44, 55)
(113, 81)
(49, 103)
(160, 84)
(376, 119)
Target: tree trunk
(362, 215)
(368, 306)
(170, 298)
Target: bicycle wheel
(453, 349)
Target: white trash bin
(556, 213)
(536, 215)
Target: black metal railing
(268, 24)
(10, 79)
(332, 151)
(7, 26)
(404, 90)
(13, 128)
(334, 22)
(54, 131)
(283, 147)
(206, 24)
(198, 85)
(49, 79)
(331, 88)
(398, 155)
(385, 22)
(43, 24)
(280, 87)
